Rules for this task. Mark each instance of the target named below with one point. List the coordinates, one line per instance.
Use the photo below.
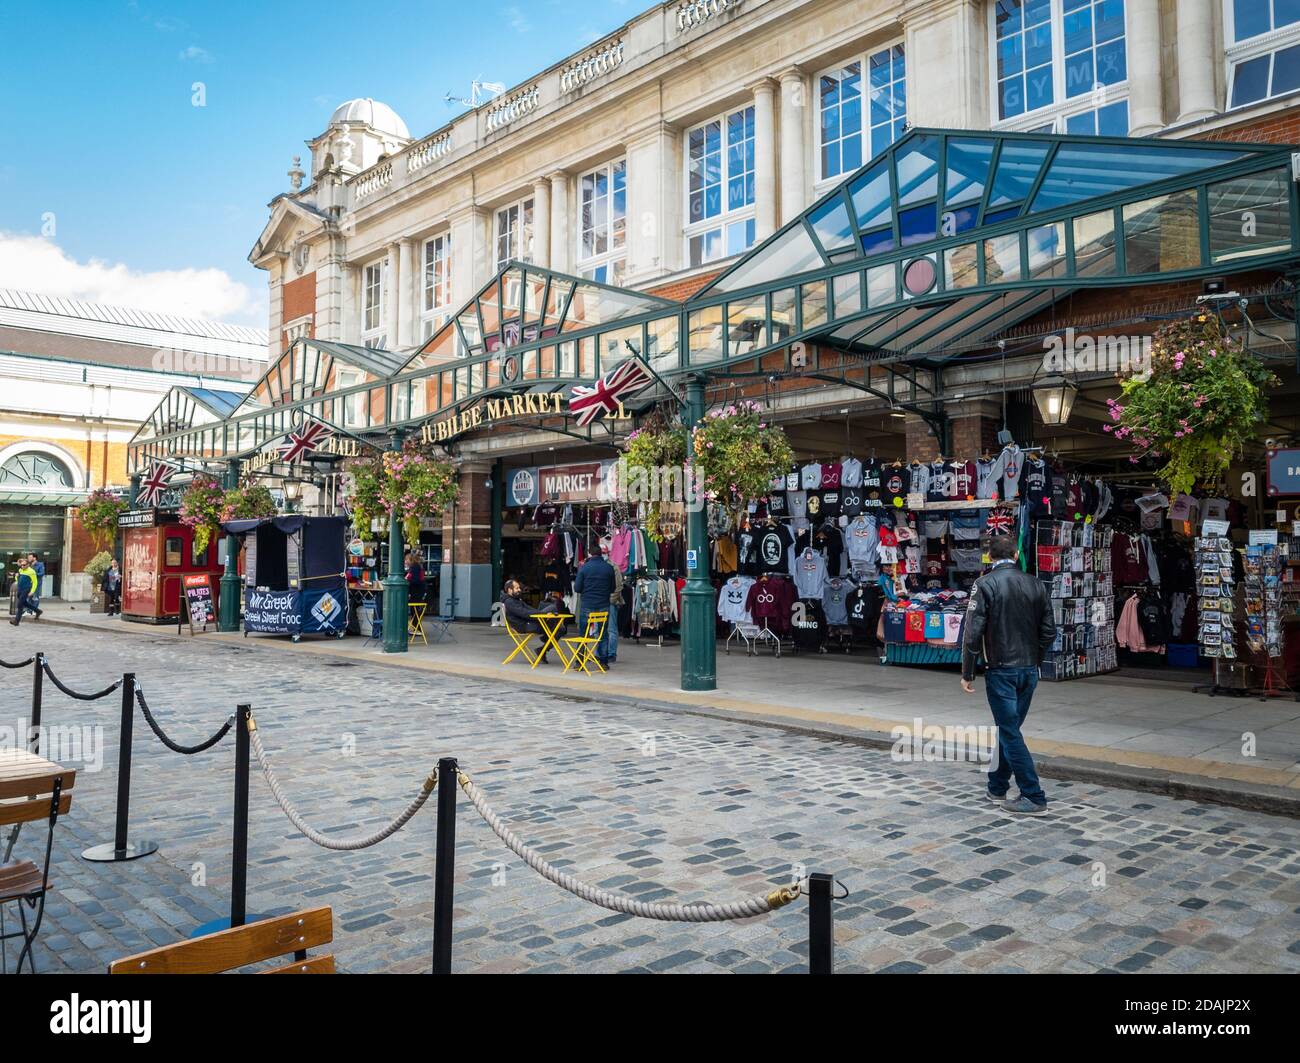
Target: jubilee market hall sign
(501, 410)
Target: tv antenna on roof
(478, 91)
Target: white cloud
(35, 264)
(196, 54)
(518, 20)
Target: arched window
(32, 469)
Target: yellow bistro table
(550, 623)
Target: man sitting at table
(520, 613)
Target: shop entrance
(33, 529)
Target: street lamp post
(228, 618)
(699, 643)
(395, 590)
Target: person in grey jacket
(1009, 621)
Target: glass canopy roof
(935, 247)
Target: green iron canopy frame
(942, 241)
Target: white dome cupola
(360, 133)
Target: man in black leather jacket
(1009, 620)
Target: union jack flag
(305, 439)
(153, 486)
(999, 522)
(627, 378)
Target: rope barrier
(345, 844)
(17, 664)
(72, 693)
(618, 902)
(176, 747)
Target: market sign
(1283, 471)
(502, 409)
(147, 518)
(333, 445)
(579, 482)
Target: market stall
(294, 575)
(158, 552)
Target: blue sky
(115, 188)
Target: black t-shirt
(808, 623)
(830, 502)
(773, 548)
(776, 504)
(861, 607)
(894, 483)
(870, 477)
(556, 579)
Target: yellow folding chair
(415, 622)
(521, 640)
(583, 647)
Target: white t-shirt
(731, 600)
(851, 473)
(810, 476)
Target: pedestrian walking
(38, 566)
(1009, 620)
(595, 587)
(111, 585)
(26, 584)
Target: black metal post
(239, 848)
(444, 873)
(120, 849)
(38, 680)
(821, 925)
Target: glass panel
(1002, 259)
(1047, 250)
(781, 322)
(663, 352)
(847, 293)
(792, 252)
(704, 337)
(831, 223)
(961, 266)
(814, 304)
(614, 346)
(918, 170)
(587, 357)
(1094, 244)
(967, 169)
(1018, 166)
(1162, 234)
(876, 243)
(1250, 216)
(1082, 171)
(882, 285)
(1250, 80)
(870, 195)
(917, 225)
(747, 326)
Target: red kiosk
(158, 553)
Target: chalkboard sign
(198, 600)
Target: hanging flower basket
(247, 502)
(409, 482)
(1202, 401)
(99, 516)
(653, 454)
(737, 452)
(201, 509)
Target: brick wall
(299, 297)
(100, 461)
(1282, 127)
(921, 443)
(682, 289)
(473, 538)
(81, 549)
(974, 435)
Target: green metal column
(699, 642)
(231, 592)
(498, 504)
(395, 589)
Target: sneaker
(14, 622)
(1026, 807)
(997, 799)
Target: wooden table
(550, 623)
(24, 776)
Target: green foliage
(201, 508)
(99, 516)
(247, 502)
(659, 446)
(97, 566)
(410, 482)
(737, 452)
(1202, 401)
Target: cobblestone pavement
(657, 804)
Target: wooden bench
(32, 789)
(240, 946)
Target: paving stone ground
(654, 803)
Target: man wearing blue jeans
(1009, 620)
